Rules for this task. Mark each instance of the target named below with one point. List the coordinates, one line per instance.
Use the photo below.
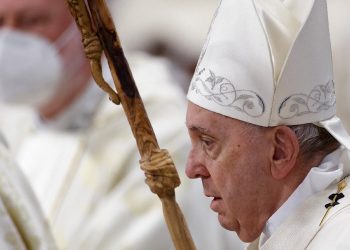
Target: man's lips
(214, 205)
(210, 194)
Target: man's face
(47, 18)
(231, 158)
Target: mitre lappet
(269, 63)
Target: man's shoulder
(335, 229)
(304, 228)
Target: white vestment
(89, 180)
(22, 224)
(302, 230)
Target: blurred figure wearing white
(176, 29)
(77, 150)
(22, 224)
(339, 19)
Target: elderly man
(22, 224)
(78, 152)
(265, 139)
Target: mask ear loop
(72, 64)
(66, 36)
(62, 41)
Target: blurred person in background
(175, 29)
(22, 224)
(76, 148)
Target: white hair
(313, 139)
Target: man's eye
(206, 141)
(210, 146)
(32, 21)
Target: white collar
(319, 178)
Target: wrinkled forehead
(198, 118)
(195, 112)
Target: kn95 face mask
(30, 68)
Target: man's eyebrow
(198, 129)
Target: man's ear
(285, 151)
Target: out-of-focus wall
(339, 22)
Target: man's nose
(194, 167)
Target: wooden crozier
(98, 33)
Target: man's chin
(232, 225)
(247, 236)
(225, 223)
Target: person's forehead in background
(48, 18)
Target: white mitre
(269, 62)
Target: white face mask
(30, 68)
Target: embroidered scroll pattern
(221, 90)
(322, 97)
